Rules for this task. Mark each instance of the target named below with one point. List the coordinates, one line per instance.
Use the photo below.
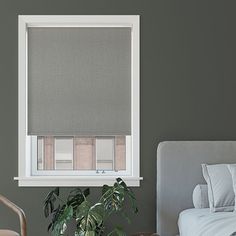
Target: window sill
(67, 181)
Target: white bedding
(201, 222)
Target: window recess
(78, 100)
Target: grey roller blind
(79, 81)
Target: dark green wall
(188, 82)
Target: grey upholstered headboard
(179, 170)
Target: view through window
(81, 153)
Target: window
(78, 100)
(80, 155)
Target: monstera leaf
(130, 194)
(50, 201)
(61, 217)
(87, 233)
(89, 218)
(113, 198)
(76, 197)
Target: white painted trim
(79, 20)
(128, 155)
(135, 74)
(53, 181)
(34, 155)
(24, 143)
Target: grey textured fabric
(200, 196)
(179, 171)
(79, 81)
(232, 169)
(220, 187)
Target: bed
(178, 172)
(195, 222)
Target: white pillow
(200, 196)
(232, 169)
(220, 187)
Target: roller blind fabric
(79, 81)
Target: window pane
(81, 153)
(40, 153)
(84, 158)
(104, 165)
(64, 153)
(105, 153)
(120, 153)
(48, 153)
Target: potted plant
(90, 218)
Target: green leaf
(130, 195)
(86, 192)
(79, 232)
(90, 233)
(113, 198)
(61, 219)
(51, 206)
(132, 199)
(121, 182)
(75, 198)
(46, 210)
(57, 191)
(50, 201)
(49, 226)
(105, 188)
(85, 233)
(89, 217)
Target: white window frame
(25, 177)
